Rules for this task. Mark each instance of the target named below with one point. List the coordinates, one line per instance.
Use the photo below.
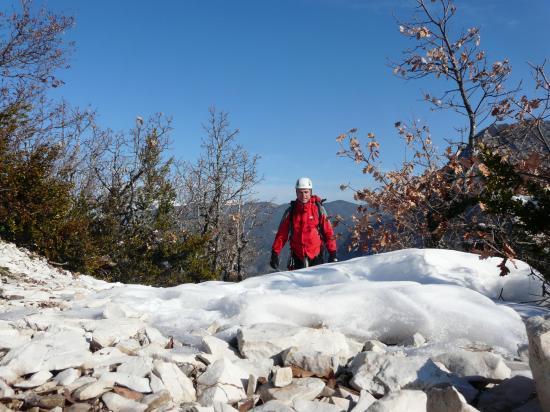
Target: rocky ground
(115, 359)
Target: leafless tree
(217, 193)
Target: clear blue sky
(293, 74)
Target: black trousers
(297, 263)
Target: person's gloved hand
(332, 258)
(274, 262)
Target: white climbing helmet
(304, 183)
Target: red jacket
(306, 239)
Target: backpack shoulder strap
(290, 212)
(322, 212)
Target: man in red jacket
(306, 225)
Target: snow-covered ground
(447, 296)
(355, 336)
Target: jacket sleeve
(330, 238)
(282, 233)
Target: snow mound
(444, 295)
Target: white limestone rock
(8, 375)
(80, 382)
(300, 388)
(282, 377)
(46, 352)
(117, 403)
(180, 386)
(447, 399)
(365, 400)
(401, 401)
(129, 346)
(221, 382)
(510, 394)
(218, 348)
(538, 332)
(92, 390)
(321, 364)
(416, 340)
(35, 380)
(475, 365)
(136, 383)
(342, 403)
(5, 390)
(106, 357)
(156, 383)
(301, 405)
(137, 365)
(274, 406)
(12, 338)
(155, 336)
(67, 376)
(108, 332)
(374, 345)
(264, 340)
(380, 373)
(261, 368)
(157, 400)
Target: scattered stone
(129, 346)
(320, 364)
(222, 382)
(137, 366)
(415, 340)
(301, 405)
(47, 352)
(128, 393)
(274, 406)
(105, 357)
(180, 386)
(260, 368)
(365, 400)
(8, 375)
(119, 310)
(51, 401)
(447, 399)
(67, 376)
(5, 390)
(265, 340)
(374, 346)
(538, 332)
(79, 407)
(83, 380)
(92, 390)
(510, 394)
(154, 336)
(342, 403)
(117, 403)
(217, 347)
(12, 338)
(157, 400)
(347, 393)
(48, 387)
(401, 401)
(35, 380)
(251, 385)
(380, 373)
(475, 365)
(130, 381)
(156, 383)
(282, 377)
(300, 388)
